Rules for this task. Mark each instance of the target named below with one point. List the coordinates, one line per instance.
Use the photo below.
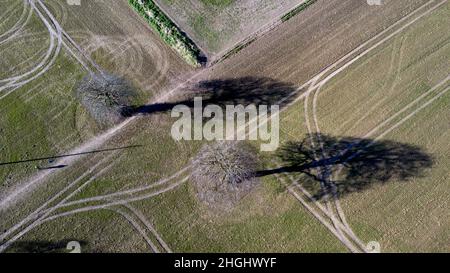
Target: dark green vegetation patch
(217, 3)
(168, 31)
(297, 10)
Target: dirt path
(342, 230)
(121, 195)
(322, 220)
(137, 226)
(150, 227)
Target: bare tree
(107, 98)
(224, 172)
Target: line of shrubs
(297, 10)
(283, 19)
(168, 31)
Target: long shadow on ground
(240, 91)
(40, 246)
(361, 163)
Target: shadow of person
(353, 164)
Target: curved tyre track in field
(11, 84)
(150, 227)
(47, 212)
(19, 25)
(107, 204)
(128, 55)
(78, 53)
(123, 195)
(334, 227)
(143, 227)
(137, 227)
(39, 43)
(48, 217)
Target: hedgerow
(297, 10)
(168, 31)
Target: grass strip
(168, 31)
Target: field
(397, 93)
(377, 76)
(217, 26)
(39, 116)
(121, 42)
(50, 118)
(409, 76)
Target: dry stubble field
(397, 93)
(217, 26)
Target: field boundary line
(254, 36)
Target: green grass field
(41, 118)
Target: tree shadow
(243, 91)
(349, 164)
(40, 246)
